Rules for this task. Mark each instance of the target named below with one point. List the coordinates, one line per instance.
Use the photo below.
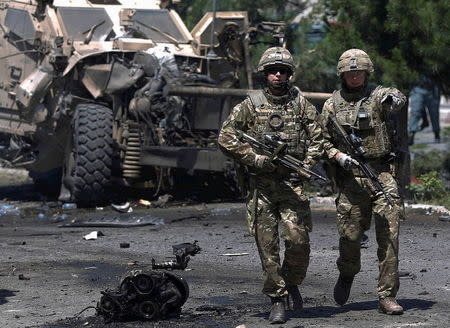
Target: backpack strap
(296, 95)
(257, 98)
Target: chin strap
(285, 86)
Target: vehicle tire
(91, 157)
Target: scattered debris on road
(182, 254)
(123, 208)
(124, 245)
(145, 202)
(69, 206)
(146, 295)
(150, 294)
(23, 277)
(9, 210)
(406, 275)
(116, 222)
(93, 235)
(161, 201)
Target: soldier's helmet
(354, 60)
(276, 56)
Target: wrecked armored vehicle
(96, 94)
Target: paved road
(62, 273)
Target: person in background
(425, 96)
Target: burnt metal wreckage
(95, 95)
(149, 294)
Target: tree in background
(405, 38)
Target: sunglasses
(275, 70)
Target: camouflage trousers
(277, 209)
(355, 207)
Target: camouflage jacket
(364, 115)
(301, 129)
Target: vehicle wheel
(88, 176)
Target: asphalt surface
(48, 273)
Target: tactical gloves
(392, 100)
(346, 161)
(264, 163)
(294, 179)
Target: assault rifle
(353, 145)
(275, 149)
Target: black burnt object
(182, 253)
(149, 294)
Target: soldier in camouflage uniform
(364, 110)
(274, 200)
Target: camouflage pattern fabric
(354, 60)
(356, 204)
(276, 56)
(273, 202)
(279, 204)
(372, 126)
(245, 117)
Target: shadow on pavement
(330, 311)
(23, 192)
(416, 304)
(5, 293)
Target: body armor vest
(364, 118)
(281, 116)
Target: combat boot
(389, 305)
(294, 299)
(277, 311)
(342, 289)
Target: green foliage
(429, 161)
(431, 187)
(405, 38)
(315, 66)
(445, 132)
(432, 169)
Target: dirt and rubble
(49, 273)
